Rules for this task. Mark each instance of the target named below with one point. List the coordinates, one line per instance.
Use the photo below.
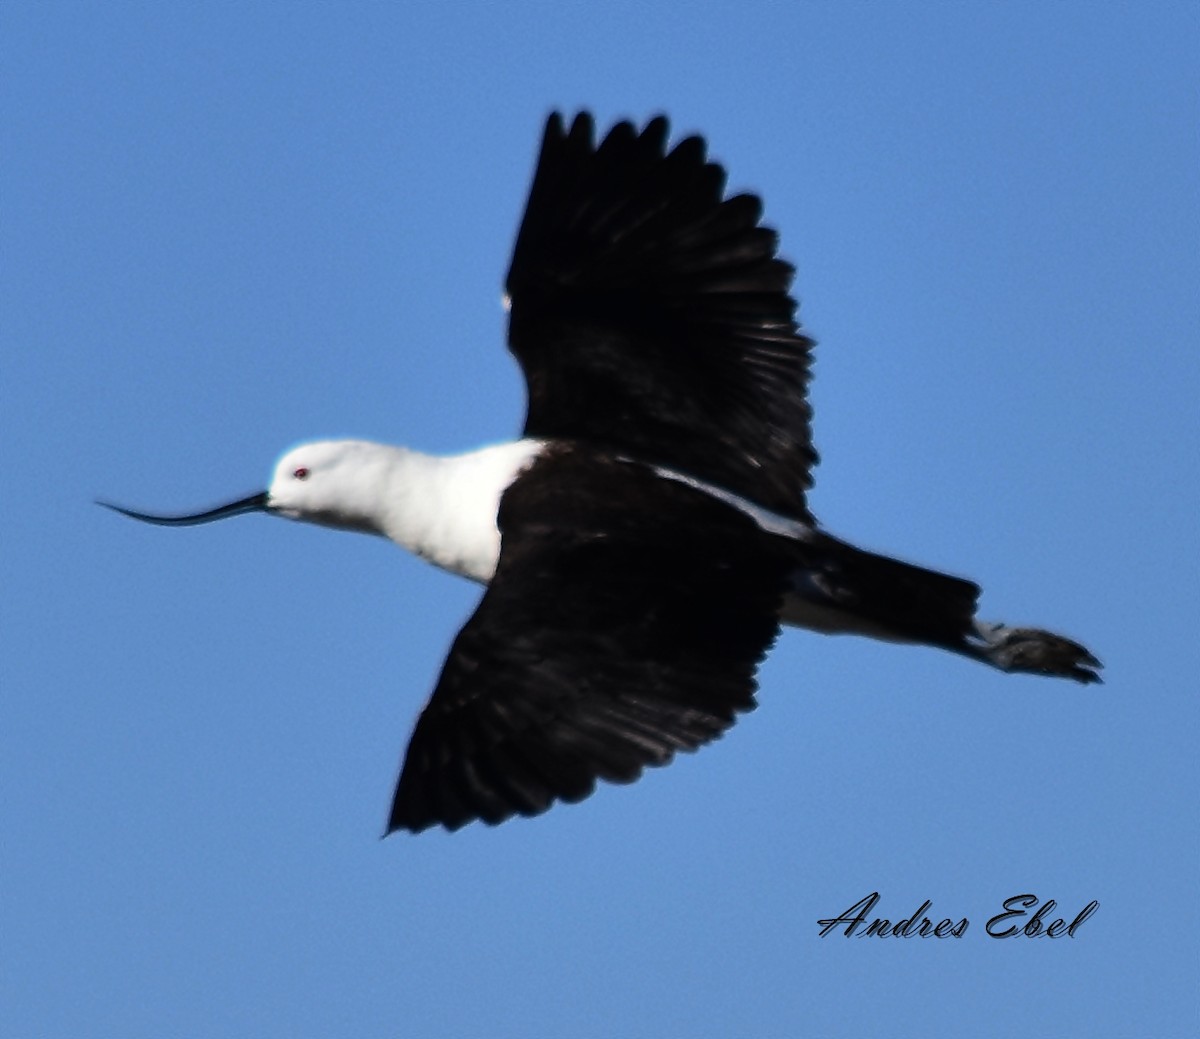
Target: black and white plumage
(645, 538)
(651, 315)
(609, 638)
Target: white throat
(443, 509)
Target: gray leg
(1032, 650)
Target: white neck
(443, 509)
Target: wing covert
(610, 638)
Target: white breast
(444, 508)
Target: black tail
(838, 587)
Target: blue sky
(227, 228)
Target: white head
(337, 483)
(441, 508)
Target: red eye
(301, 473)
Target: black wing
(611, 637)
(651, 315)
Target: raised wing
(624, 623)
(651, 315)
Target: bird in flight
(644, 539)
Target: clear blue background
(229, 227)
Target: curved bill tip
(254, 503)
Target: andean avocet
(645, 538)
